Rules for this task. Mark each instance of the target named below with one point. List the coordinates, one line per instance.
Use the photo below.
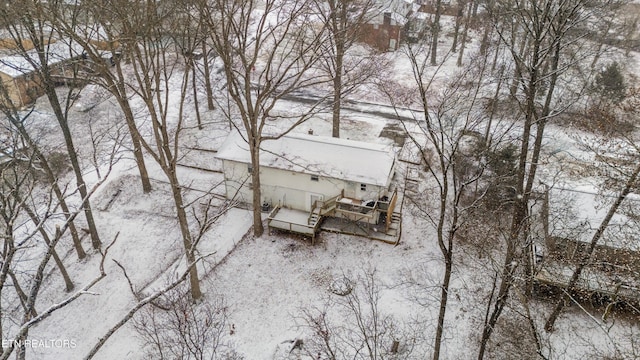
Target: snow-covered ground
(269, 281)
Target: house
(306, 178)
(563, 222)
(384, 30)
(19, 75)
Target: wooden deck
(370, 231)
(295, 221)
(329, 216)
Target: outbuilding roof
(576, 213)
(20, 64)
(336, 158)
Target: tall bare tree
(100, 43)
(447, 121)
(268, 50)
(28, 248)
(435, 32)
(548, 32)
(154, 69)
(344, 21)
(16, 124)
(29, 26)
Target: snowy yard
(274, 285)
(267, 281)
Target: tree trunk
(337, 88)
(195, 92)
(137, 150)
(521, 204)
(444, 296)
(456, 29)
(61, 116)
(73, 157)
(82, 187)
(120, 92)
(516, 72)
(494, 107)
(63, 271)
(506, 280)
(194, 282)
(254, 146)
(435, 33)
(484, 43)
(21, 295)
(207, 77)
(8, 252)
(465, 31)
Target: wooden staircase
(395, 225)
(322, 208)
(314, 218)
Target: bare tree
(18, 190)
(352, 324)
(448, 122)
(344, 21)
(100, 45)
(28, 25)
(174, 327)
(465, 31)
(435, 32)
(551, 52)
(267, 55)
(154, 67)
(15, 125)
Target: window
(314, 178)
(387, 18)
(363, 187)
(250, 169)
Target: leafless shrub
(355, 326)
(512, 340)
(602, 119)
(59, 163)
(176, 328)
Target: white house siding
(292, 189)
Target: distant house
(312, 177)
(19, 75)
(563, 222)
(384, 31)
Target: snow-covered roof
(18, 64)
(344, 159)
(576, 213)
